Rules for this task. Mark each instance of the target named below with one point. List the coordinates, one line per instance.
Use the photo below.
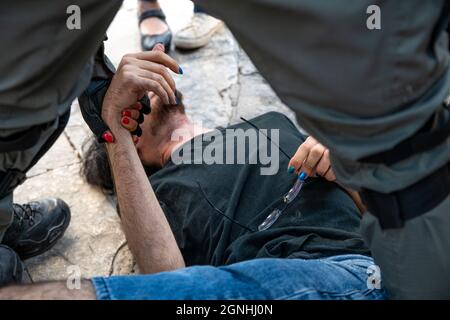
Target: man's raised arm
(146, 228)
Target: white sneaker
(198, 32)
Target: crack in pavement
(116, 253)
(72, 145)
(48, 170)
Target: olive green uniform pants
(361, 91)
(45, 64)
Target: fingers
(159, 57)
(143, 105)
(312, 158)
(324, 164)
(131, 113)
(330, 176)
(141, 81)
(159, 47)
(155, 86)
(147, 71)
(139, 74)
(315, 154)
(324, 167)
(108, 136)
(300, 156)
(129, 123)
(162, 85)
(131, 118)
(137, 106)
(157, 69)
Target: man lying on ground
(193, 227)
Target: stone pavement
(220, 84)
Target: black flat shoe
(149, 41)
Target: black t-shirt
(214, 210)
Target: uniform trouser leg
(415, 259)
(15, 164)
(332, 89)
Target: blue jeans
(338, 277)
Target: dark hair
(95, 168)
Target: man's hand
(312, 158)
(137, 75)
